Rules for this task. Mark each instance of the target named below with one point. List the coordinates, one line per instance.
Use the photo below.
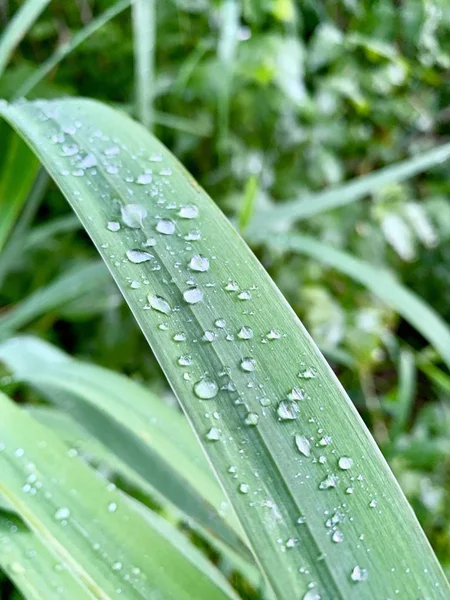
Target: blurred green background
(269, 100)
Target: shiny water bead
(135, 285)
(287, 410)
(89, 161)
(138, 256)
(199, 263)
(209, 336)
(188, 212)
(133, 215)
(245, 295)
(273, 334)
(244, 488)
(358, 574)
(165, 226)
(193, 295)
(113, 225)
(144, 179)
(185, 360)
(70, 149)
(112, 151)
(213, 434)
(307, 372)
(193, 236)
(312, 595)
(231, 286)
(303, 445)
(245, 333)
(220, 323)
(251, 419)
(248, 364)
(337, 537)
(179, 337)
(329, 482)
(112, 507)
(159, 304)
(345, 463)
(206, 388)
(62, 514)
(149, 242)
(297, 394)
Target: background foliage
(267, 103)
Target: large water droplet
(206, 388)
(193, 295)
(287, 410)
(199, 263)
(303, 445)
(138, 256)
(248, 364)
(188, 212)
(345, 463)
(165, 226)
(133, 215)
(160, 304)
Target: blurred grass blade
(379, 281)
(35, 571)
(303, 473)
(18, 169)
(247, 207)
(65, 49)
(107, 542)
(144, 33)
(43, 233)
(151, 437)
(18, 27)
(71, 285)
(314, 204)
(407, 376)
(16, 243)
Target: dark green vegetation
(265, 105)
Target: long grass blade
(379, 281)
(144, 34)
(18, 28)
(65, 49)
(108, 542)
(151, 437)
(302, 471)
(314, 204)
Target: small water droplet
(188, 212)
(373, 503)
(138, 256)
(112, 507)
(62, 513)
(160, 304)
(303, 445)
(135, 285)
(307, 372)
(185, 360)
(209, 336)
(179, 337)
(297, 394)
(89, 161)
(245, 295)
(113, 225)
(206, 388)
(312, 595)
(133, 215)
(273, 334)
(248, 364)
(117, 566)
(245, 333)
(144, 178)
(193, 295)
(345, 463)
(232, 286)
(337, 537)
(358, 574)
(329, 482)
(251, 419)
(199, 263)
(220, 323)
(165, 226)
(287, 410)
(213, 434)
(244, 488)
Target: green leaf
(379, 281)
(107, 541)
(32, 567)
(314, 204)
(71, 285)
(289, 448)
(144, 32)
(150, 436)
(18, 27)
(67, 48)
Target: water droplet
(179, 337)
(185, 360)
(329, 482)
(297, 394)
(248, 364)
(70, 149)
(312, 595)
(188, 212)
(359, 574)
(199, 263)
(287, 410)
(112, 151)
(307, 372)
(245, 333)
(193, 295)
(245, 295)
(144, 178)
(213, 434)
(149, 242)
(291, 542)
(337, 537)
(273, 334)
(252, 419)
(133, 215)
(165, 226)
(117, 566)
(193, 236)
(138, 256)
(345, 463)
(206, 388)
(220, 323)
(112, 507)
(88, 161)
(135, 285)
(244, 488)
(209, 336)
(303, 445)
(160, 304)
(232, 286)
(62, 513)
(373, 503)
(113, 225)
